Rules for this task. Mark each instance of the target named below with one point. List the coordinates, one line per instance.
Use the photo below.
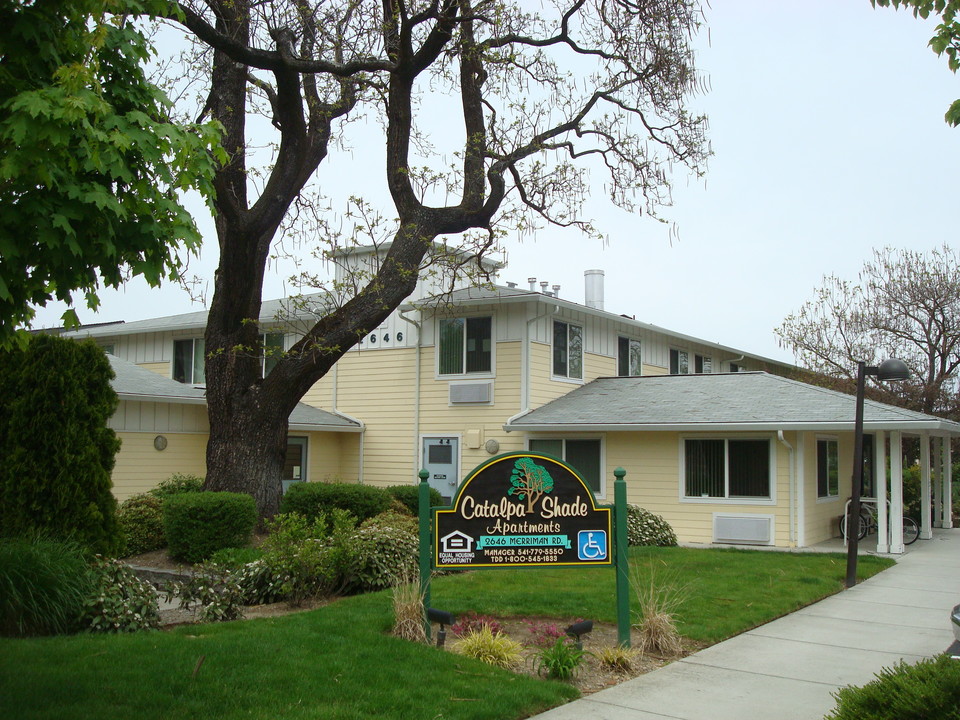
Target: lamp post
(887, 370)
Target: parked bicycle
(869, 523)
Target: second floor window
(628, 357)
(188, 360)
(567, 350)
(679, 362)
(466, 345)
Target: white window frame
(630, 344)
(705, 362)
(828, 439)
(600, 494)
(681, 354)
(727, 500)
(467, 374)
(567, 377)
(303, 440)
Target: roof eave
(931, 426)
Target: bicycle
(868, 523)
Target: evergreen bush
(647, 528)
(409, 495)
(385, 549)
(141, 523)
(199, 524)
(312, 499)
(43, 586)
(57, 449)
(928, 689)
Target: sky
(826, 125)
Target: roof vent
(533, 284)
(556, 290)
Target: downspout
(416, 396)
(363, 425)
(793, 482)
(525, 366)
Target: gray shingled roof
(498, 294)
(728, 401)
(133, 382)
(281, 310)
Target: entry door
(441, 459)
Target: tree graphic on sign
(529, 481)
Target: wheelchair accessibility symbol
(592, 545)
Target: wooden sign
(523, 510)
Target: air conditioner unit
(743, 529)
(471, 392)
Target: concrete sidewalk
(788, 668)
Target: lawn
(338, 661)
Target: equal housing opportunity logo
(522, 509)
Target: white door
(441, 459)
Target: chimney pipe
(533, 284)
(543, 287)
(556, 291)
(593, 289)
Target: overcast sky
(826, 123)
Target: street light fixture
(888, 370)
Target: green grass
(337, 662)
(727, 591)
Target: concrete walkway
(788, 668)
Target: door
(441, 460)
(294, 469)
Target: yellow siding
(160, 368)
(140, 467)
(652, 462)
(655, 370)
(822, 515)
(544, 388)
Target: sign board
(522, 510)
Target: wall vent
(471, 392)
(743, 529)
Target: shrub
(199, 524)
(492, 649)
(310, 499)
(561, 660)
(545, 634)
(258, 585)
(471, 622)
(928, 689)
(647, 528)
(177, 484)
(213, 594)
(141, 523)
(409, 495)
(307, 558)
(57, 448)
(43, 586)
(121, 602)
(383, 552)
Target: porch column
(896, 492)
(926, 531)
(938, 482)
(947, 489)
(880, 471)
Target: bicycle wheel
(911, 531)
(862, 529)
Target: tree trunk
(245, 453)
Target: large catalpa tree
(541, 93)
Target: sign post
(527, 510)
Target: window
(567, 350)
(295, 464)
(734, 367)
(628, 357)
(679, 362)
(722, 468)
(188, 358)
(466, 345)
(188, 361)
(828, 469)
(702, 364)
(868, 487)
(582, 455)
